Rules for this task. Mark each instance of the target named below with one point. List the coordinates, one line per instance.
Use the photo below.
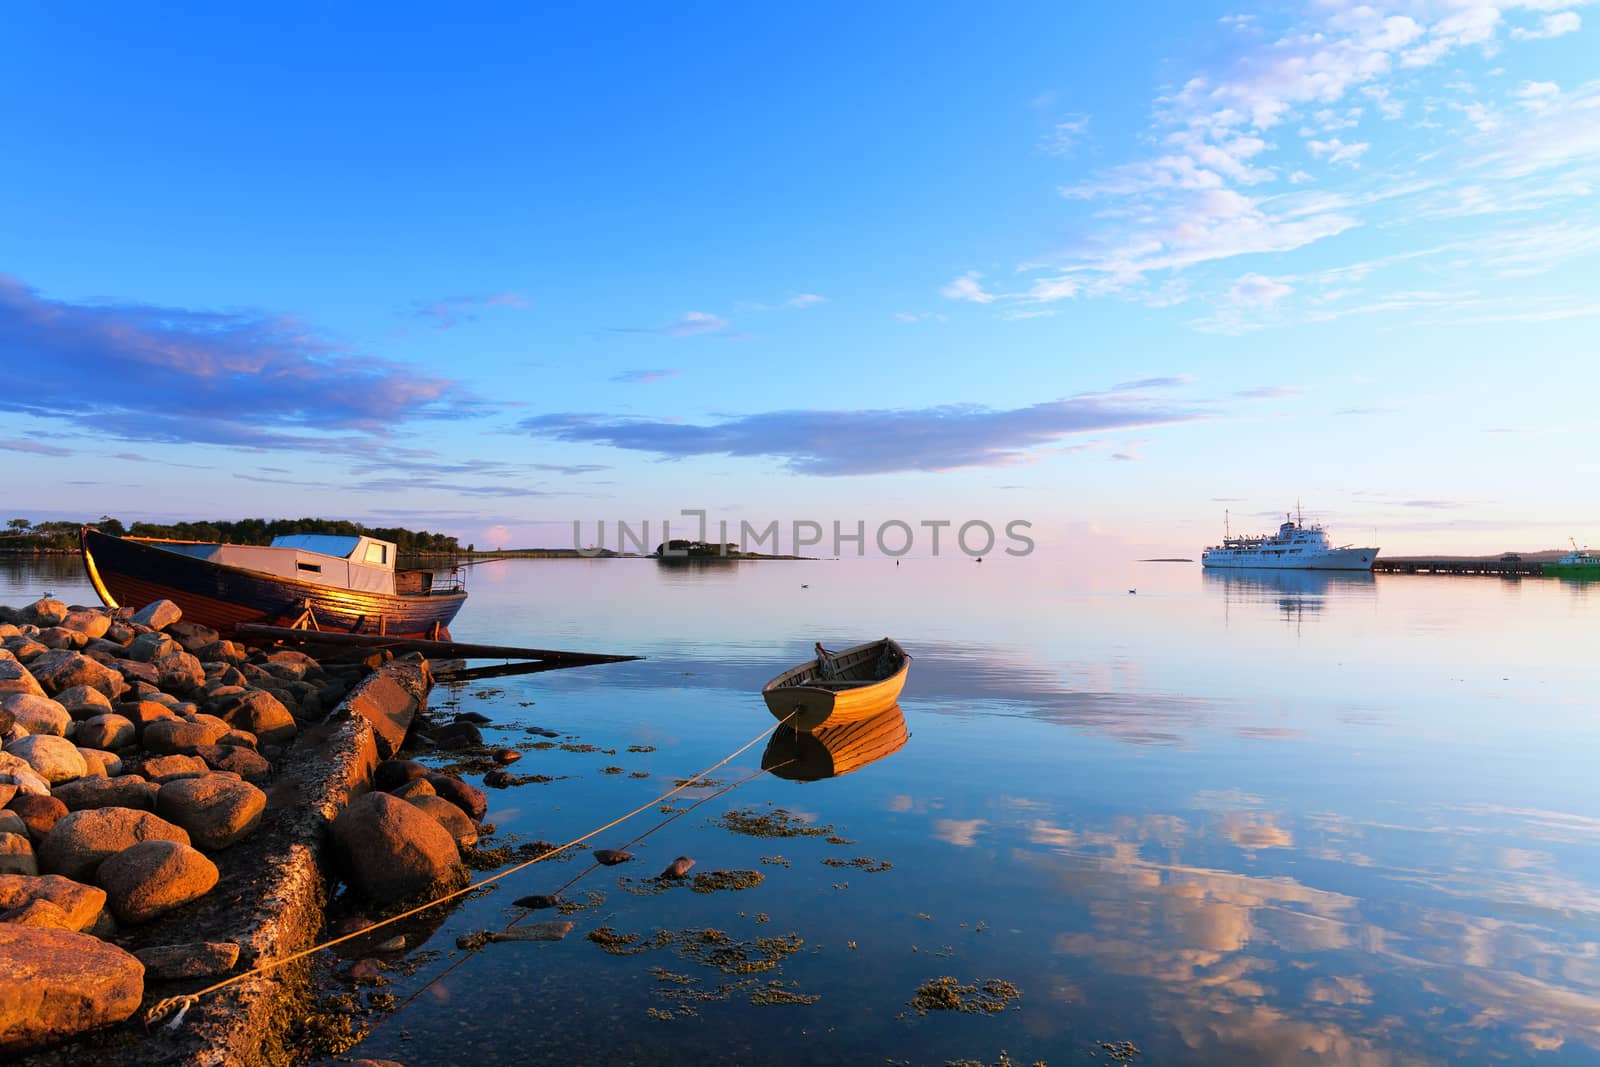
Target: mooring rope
(183, 1003)
(471, 952)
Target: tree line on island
(25, 536)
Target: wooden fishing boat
(836, 687)
(315, 581)
(834, 751)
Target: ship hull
(128, 573)
(1582, 572)
(1338, 559)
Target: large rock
(46, 611)
(198, 959)
(36, 714)
(82, 702)
(179, 672)
(148, 647)
(38, 913)
(15, 678)
(392, 773)
(39, 812)
(164, 769)
(388, 706)
(60, 983)
(82, 903)
(81, 841)
(61, 637)
(449, 816)
(170, 736)
(158, 615)
(217, 812)
(244, 762)
(16, 855)
(193, 636)
(60, 669)
(55, 759)
(101, 764)
(87, 621)
(124, 791)
(144, 712)
(107, 731)
(18, 776)
(469, 798)
(393, 851)
(260, 713)
(149, 879)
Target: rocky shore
(173, 810)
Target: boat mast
(1226, 531)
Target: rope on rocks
(182, 1004)
(448, 971)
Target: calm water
(1265, 818)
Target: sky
(1112, 272)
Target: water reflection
(1296, 593)
(834, 751)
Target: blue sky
(1110, 272)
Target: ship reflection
(834, 751)
(1296, 593)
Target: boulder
(55, 759)
(16, 855)
(81, 840)
(106, 731)
(60, 983)
(158, 615)
(394, 851)
(11, 823)
(136, 674)
(101, 764)
(38, 913)
(449, 816)
(244, 762)
(81, 903)
(217, 812)
(469, 798)
(82, 702)
(125, 791)
(179, 672)
(238, 738)
(61, 637)
(169, 736)
(260, 713)
(417, 787)
(198, 959)
(39, 812)
(149, 879)
(121, 633)
(36, 714)
(46, 611)
(396, 772)
(60, 669)
(149, 647)
(87, 621)
(164, 769)
(222, 652)
(15, 678)
(192, 636)
(144, 712)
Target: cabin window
(314, 568)
(377, 553)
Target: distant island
(676, 550)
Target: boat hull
(1582, 572)
(810, 706)
(130, 574)
(1338, 559)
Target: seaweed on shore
(865, 863)
(776, 823)
(948, 994)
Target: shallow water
(1269, 818)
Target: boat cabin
(337, 560)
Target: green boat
(1580, 563)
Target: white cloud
(967, 287)
(1562, 22)
(804, 300)
(1336, 151)
(1537, 96)
(1257, 290)
(1064, 135)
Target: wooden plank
(440, 649)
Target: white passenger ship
(1295, 546)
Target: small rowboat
(834, 751)
(837, 687)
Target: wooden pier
(1528, 567)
